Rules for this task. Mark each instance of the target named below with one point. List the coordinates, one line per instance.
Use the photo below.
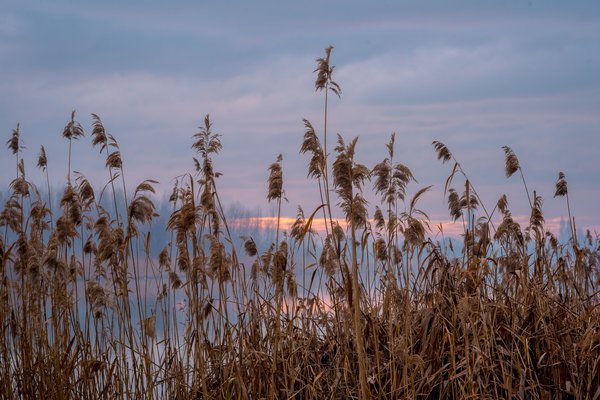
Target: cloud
(158, 114)
(439, 226)
(475, 76)
(11, 25)
(459, 72)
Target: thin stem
(49, 197)
(326, 175)
(526, 190)
(278, 290)
(357, 320)
(69, 165)
(573, 233)
(112, 184)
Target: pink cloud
(438, 227)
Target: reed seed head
(324, 74)
(73, 129)
(561, 185)
(42, 161)
(14, 143)
(443, 153)
(98, 133)
(275, 180)
(511, 162)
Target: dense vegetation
(368, 308)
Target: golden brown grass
(375, 310)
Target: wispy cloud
(475, 76)
(438, 227)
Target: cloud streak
(475, 76)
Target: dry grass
(375, 310)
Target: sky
(476, 75)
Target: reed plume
(512, 165)
(72, 131)
(275, 180)
(312, 145)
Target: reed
(372, 307)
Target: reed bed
(370, 308)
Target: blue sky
(475, 75)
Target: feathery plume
(348, 175)
(142, 208)
(207, 143)
(324, 74)
(511, 164)
(98, 133)
(42, 161)
(454, 204)
(275, 180)
(443, 153)
(561, 186)
(503, 204)
(311, 144)
(73, 129)
(14, 143)
(536, 221)
(250, 247)
(378, 217)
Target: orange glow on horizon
(447, 227)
